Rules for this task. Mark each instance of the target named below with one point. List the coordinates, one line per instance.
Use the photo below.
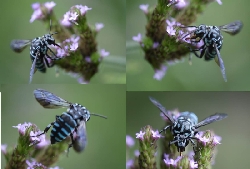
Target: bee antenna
(50, 26)
(98, 115)
(54, 33)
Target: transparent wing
(49, 100)
(162, 109)
(211, 119)
(80, 137)
(18, 45)
(220, 63)
(232, 28)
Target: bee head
(49, 40)
(200, 31)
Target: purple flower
(83, 9)
(160, 73)
(73, 16)
(130, 141)
(170, 30)
(49, 5)
(103, 53)
(81, 80)
(37, 14)
(35, 6)
(137, 38)
(216, 140)
(156, 134)
(202, 138)
(74, 38)
(99, 26)
(155, 45)
(65, 21)
(181, 4)
(22, 127)
(140, 135)
(32, 164)
(4, 148)
(144, 8)
(137, 153)
(42, 142)
(219, 2)
(88, 59)
(129, 163)
(192, 164)
(73, 46)
(168, 161)
(61, 53)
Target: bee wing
(211, 119)
(162, 109)
(80, 137)
(220, 63)
(232, 28)
(49, 100)
(32, 69)
(18, 45)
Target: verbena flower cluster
(32, 152)
(79, 54)
(165, 42)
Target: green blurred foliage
(105, 147)
(15, 16)
(201, 75)
(234, 149)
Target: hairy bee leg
(47, 62)
(71, 144)
(53, 54)
(164, 129)
(45, 130)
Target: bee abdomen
(62, 128)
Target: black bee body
(185, 127)
(69, 122)
(213, 40)
(38, 51)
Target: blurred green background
(233, 152)
(201, 76)
(15, 16)
(106, 138)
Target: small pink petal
(137, 38)
(144, 8)
(160, 73)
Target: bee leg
(202, 48)
(46, 61)
(71, 144)
(164, 129)
(45, 130)
(53, 54)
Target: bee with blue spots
(69, 122)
